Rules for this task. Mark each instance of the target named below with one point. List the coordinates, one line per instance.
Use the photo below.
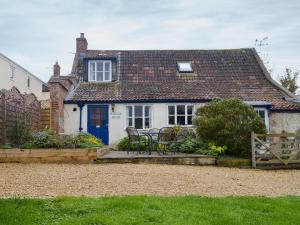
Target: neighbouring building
(109, 90)
(14, 75)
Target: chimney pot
(56, 70)
(81, 35)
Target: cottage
(110, 90)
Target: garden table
(151, 138)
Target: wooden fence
(45, 114)
(14, 107)
(276, 150)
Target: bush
(189, 145)
(21, 130)
(123, 144)
(229, 122)
(86, 140)
(217, 150)
(46, 139)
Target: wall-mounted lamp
(113, 107)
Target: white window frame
(12, 70)
(257, 109)
(143, 116)
(29, 83)
(95, 72)
(185, 114)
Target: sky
(36, 33)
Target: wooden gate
(276, 150)
(45, 114)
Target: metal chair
(182, 134)
(153, 133)
(165, 138)
(134, 138)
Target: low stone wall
(197, 160)
(82, 155)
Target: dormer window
(184, 67)
(100, 70)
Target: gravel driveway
(43, 180)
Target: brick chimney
(81, 44)
(58, 87)
(56, 70)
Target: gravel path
(44, 180)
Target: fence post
(253, 149)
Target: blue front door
(98, 122)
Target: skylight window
(185, 67)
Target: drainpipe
(80, 105)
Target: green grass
(135, 210)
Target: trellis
(276, 150)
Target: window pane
(171, 110)
(99, 66)
(106, 75)
(261, 113)
(190, 120)
(99, 76)
(138, 111)
(129, 122)
(180, 120)
(92, 71)
(147, 111)
(147, 123)
(190, 109)
(172, 120)
(181, 110)
(95, 116)
(185, 67)
(107, 66)
(129, 111)
(138, 122)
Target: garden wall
(84, 155)
(284, 121)
(16, 107)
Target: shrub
(46, 139)
(217, 150)
(190, 145)
(86, 140)
(123, 144)
(229, 122)
(21, 130)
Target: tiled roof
(152, 75)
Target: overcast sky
(36, 33)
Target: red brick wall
(58, 87)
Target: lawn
(151, 210)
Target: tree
(289, 80)
(229, 122)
